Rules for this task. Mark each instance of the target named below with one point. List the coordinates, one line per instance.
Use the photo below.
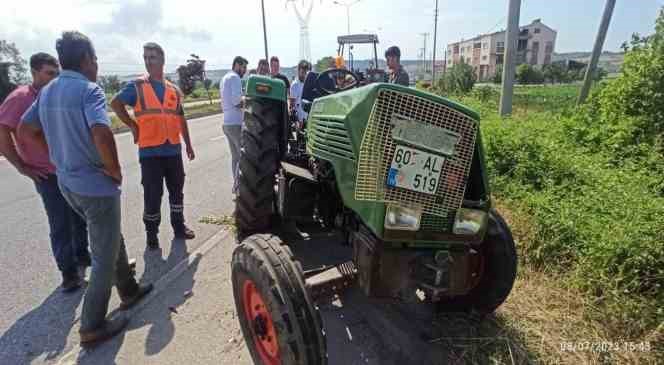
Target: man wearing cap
(396, 75)
(157, 126)
(232, 104)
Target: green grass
(594, 224)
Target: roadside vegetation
(584, 190)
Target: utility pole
(435, 33)
(424, 52)
(347, 5)
(509, 63)
(264, 30)
(597, 50)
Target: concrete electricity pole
(424, 51)
(264, 30)
(597, 50)
(509, 63)
(435, 33)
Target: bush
(625, 116)
(591, 220)
(555, 73)
(527, 74)
(498, 77)
(485, 93)
(459, 79)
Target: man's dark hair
(155, 47)
(72, 48)
(304, 65)
(262, 62)
(239, 60)
(40, 59)
(393, 51)
(274, 59)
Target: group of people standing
(232, 101)
(57, 132)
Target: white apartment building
(536, 44)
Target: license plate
(415, 170)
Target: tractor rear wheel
(499, 262)
(280, 323)
(259, 161)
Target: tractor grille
(377, 149)
(329, 136)
(436, 223)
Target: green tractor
(400, 173)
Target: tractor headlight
(469, 221)
(401, 217)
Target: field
(590, 245)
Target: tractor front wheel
(258, 165)
(280, 323)
(499, 262)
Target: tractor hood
(358, 132)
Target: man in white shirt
(232, 104)
(296, 90)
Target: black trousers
(154, 172)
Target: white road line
(216, 138)
(2, 158)
(77, 353)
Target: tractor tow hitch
(329, 280)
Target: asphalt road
(39, 324)
(35, 318)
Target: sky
(219, 30)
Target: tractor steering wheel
(336, 80)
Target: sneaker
(106, 331)
(70, 282)
(141, 291)
(152, 241)
(185, 234)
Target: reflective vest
(157, 122)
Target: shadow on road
(42, 331)
(161, 328)
(363, 330)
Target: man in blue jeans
(68, 232)
(70, 112)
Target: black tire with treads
(278, 277)
(499, 274)
(259, 161)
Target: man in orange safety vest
(157, 125)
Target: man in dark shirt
(396, 75)
(274, 71)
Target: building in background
(536, 44)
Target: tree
(498, 77)
(459, 79)
(111, 84)
(324, 63)
(527, 74)
(18, 69)
(192, 72)
(555, 73)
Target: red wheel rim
(260, 321)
